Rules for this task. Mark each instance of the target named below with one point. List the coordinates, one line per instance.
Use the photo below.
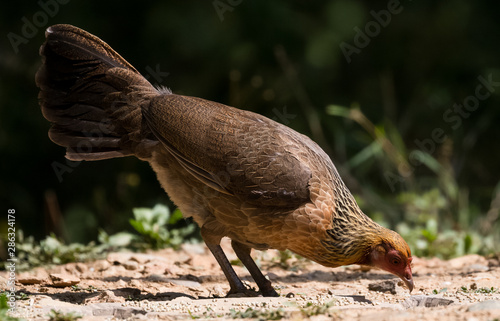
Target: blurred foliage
(156, 229)
(289, 261)
(310, 309)
(52, 250)
(400, 88)
(4, 309)
(258, 314)
(57, 315)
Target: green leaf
(122, 239)
(176, 216)
(428, 160)
(138, 226)
(467, 242)
(370, 151)
(336, 110)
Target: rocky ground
(188, 284)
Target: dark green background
(425, 60)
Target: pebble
(101, 265)
(384, 286)
(63, 280)
(485, 305)
(194, 248)
(119, 257)
(217, 291)
(472, 260)
(27, 279)
(131, 265)
(425, 301)
(186, 283)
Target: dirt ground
(188, 284)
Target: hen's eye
(395, 261)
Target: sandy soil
(186, 284)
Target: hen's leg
(243, 253)
(235, 283)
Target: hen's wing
(233, 151)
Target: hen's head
(392, 254)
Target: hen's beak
(408, 282)
(408, 278)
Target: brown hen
(238, 174)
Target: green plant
(313, 309)
(117, 241)
(208, 314)
(4, 309)
(152, 225)
(61, 316)
(289, 260)
(435, 291)
(259, 314)
(90, 288)
(132, 298)
(487, 290)
(473, 289)
(21, 296)
(157, 228)
(52, 250)
(192, 316)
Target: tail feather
(92, 96)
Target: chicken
(238, 174)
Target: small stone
(81, 267)
(101, 265)
(385, 286)
(125, 313)
(105, 296)
(136, 283)
(28, 279)
(472, 260)
(113, 270)
(131, 265)
(186, 283)
(217, 291)
(493, 262)
(290, 295)
(425, 301)
(119, 257)
(143, 258)
(485, 305)
(157, 278)
(478, 268)
(101, 312)
(104, 309)
(194, 248)
(63, 280)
